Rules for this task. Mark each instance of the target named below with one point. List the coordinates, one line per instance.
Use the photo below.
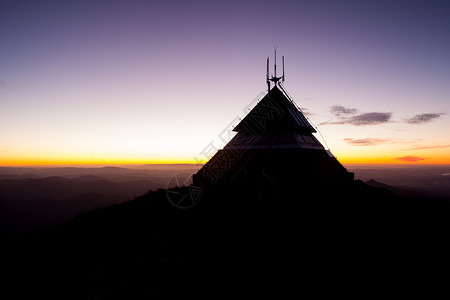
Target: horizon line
(100, 165)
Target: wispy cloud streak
(410, 158)
(373, 118)
(429, 147)
(366, 141)
(338, 110)
(344, 115)
(423, 118)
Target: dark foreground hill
(326, 240)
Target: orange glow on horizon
(92, 161)
(37, 162)
(394, 160)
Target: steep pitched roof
(275, 141)
(275, 113)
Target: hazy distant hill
(34, 203)
(35, 214)
(427, 179)
(407, 193)
(59, 188)
(111, 173)
(34, 198)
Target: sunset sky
(107, 82)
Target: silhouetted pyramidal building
(274, 150)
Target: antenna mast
(267, 75)
(275, 65)
(274, 78)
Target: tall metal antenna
(267, 75)
(275, 65)
(274, 78)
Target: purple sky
(138, 80)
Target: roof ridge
(277, 112)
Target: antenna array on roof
(274, 77)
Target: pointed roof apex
(275, 113)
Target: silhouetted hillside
(35, 203)
(35, 214)
(59, 187)
(406, 193)
(35, 198)
(324, 239)
(431, 180)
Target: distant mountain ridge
(34, 203)
(427, 179)
(34, 198)
(59, 187)
(406, 193)
(110, 172)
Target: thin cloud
(423, 118)
(339, 110)
(373, 118)
(410, 158)
(429, 147)
(366, 141)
